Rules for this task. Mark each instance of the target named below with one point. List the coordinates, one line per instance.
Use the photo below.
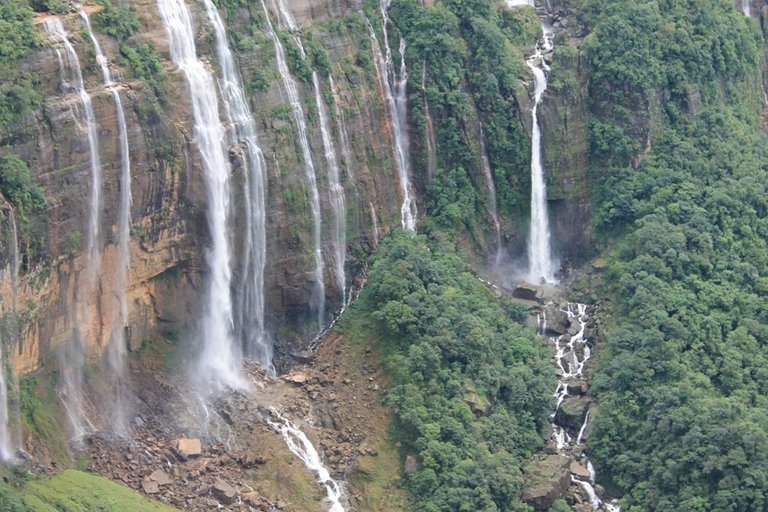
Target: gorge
(292, 255)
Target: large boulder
(186, 448)
(572, 412)
(224, 492)
(547, 478)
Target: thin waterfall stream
(220, 360)
(7, 444)
(249, 323)
(336, 192)
(318, 293)
(73, 355)
(117, 350)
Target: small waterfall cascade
(430, 126)
(249, 323)
(220, 358)
(336, 192)
(300, 445)
(572, 352)
(73, 355)
(346, 150)
(375, 224)
(493, 209)
(746, 7)
(395, 86)
(318, 293)
(540, 264)
(117, 350)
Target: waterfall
(746, 7)
(492, 203)
(219, 360)
(117, 344)
(300, 446)
(7, 451)
(346, 151)
(73, 355)
(395, 88)
(250, 307)
(338, 202)
(430, 127)
(375, 226)
(318, 293)
(540, 266)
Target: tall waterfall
(395, 88)
(492, 203)
(250, 307)
(318, 292)
(540, 266)
(336, 191)
(73, 356)
(220, 358)
(117, 344)
(746, 7)
(7, 450)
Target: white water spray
(250, 307)
(336, 192)
(117, 350)
(492, 204)
(318, 292)
(300, 446)
(540, 266)
(746, 7)
(220, 358)
(7, 451)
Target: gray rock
(224, 492)
(546, 479)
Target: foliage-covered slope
(682, 423)
(470, 384)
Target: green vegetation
(40, 417)
(683, 423)
(470, 385)
(75, 491)
(119, 21)
(28, 201)
(474, 68)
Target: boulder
(572, 411)
(160, 477)
(150, 486)
(224, 492)
(186, 448)
(557, 321)
(547, 479)
(579, 471)
(527, 291)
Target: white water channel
(493, 210)
(317, 302)
(570, 367)
(540, 265)
(336, 192)
(250, 306)
(301, 446)
(73, 355)
(117, 349)
(7, 449)
(220, 358)
(395, 84)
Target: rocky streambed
(563, 470)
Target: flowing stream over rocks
(568, 328)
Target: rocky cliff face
(169, 229)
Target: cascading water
(336, 191)
(395, 86)
(250, 307)
(220, 358)
(540, 265)
(375, 224)
(492, 204)
(318, 292)
(746, 7)
(300, 446)
(73, 355)
(571, 367)
(117, 344)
